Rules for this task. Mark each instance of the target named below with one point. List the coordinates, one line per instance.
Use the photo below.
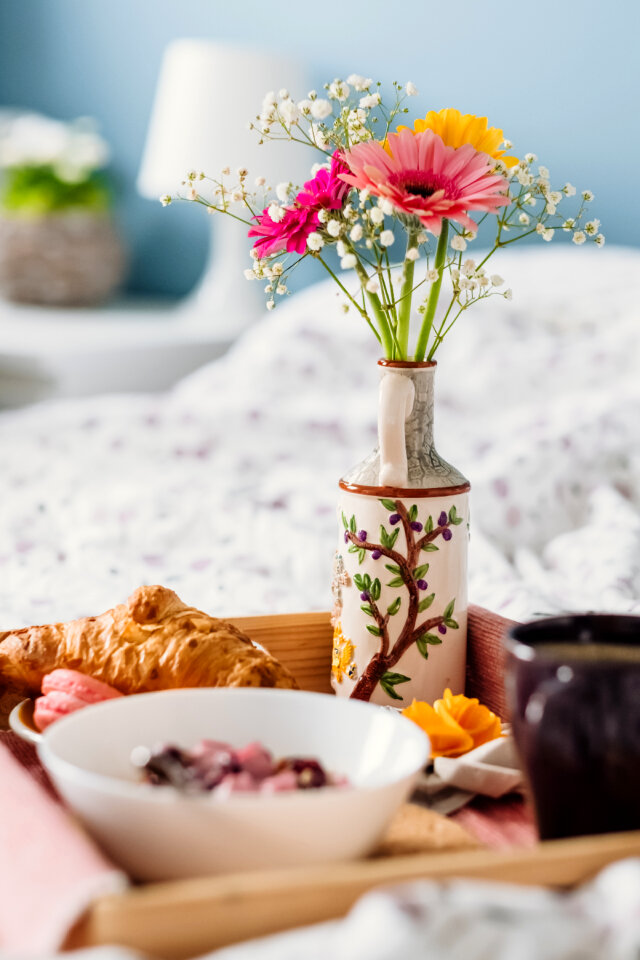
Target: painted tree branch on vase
(407, 572)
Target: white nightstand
(130, 346)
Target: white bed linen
(224, 489)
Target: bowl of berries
(184, 783)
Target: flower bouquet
(400, 204)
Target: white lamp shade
(206, 95)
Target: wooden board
(182, 919)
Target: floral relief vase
(400, 571)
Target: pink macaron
(64, 692)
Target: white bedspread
(224, 489)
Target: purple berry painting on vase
(400, 591)
(400, 571)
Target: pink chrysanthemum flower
(325, 192)
(423, 178)
(289, 234)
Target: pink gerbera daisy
(289, 234)
(325, 192)
(423, 178)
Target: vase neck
(419, 423)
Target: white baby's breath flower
(547, 234)
(469, 267)
(289, 112)
(484, 282)
(507, 145)
(587, 196)
(386, 206)
(254, 254)
(422, 237)
(225, 171)
(282, 192)
(496, 280)
(370, 101)
(550, 208)
(508, 294)
(165, 199)
(348, 262)
(281, 289)
(270, 305)
(276, 212)
(591, 227)
(339, 90)
(359, 83)
(334, 227)
(543, 173)
(524, 219)
(284, 94)
(432, 275)
(372, 285)
(356, 232)
(466, 283)
(455, 275)
(323, 216)
(411, 90)
(268, 288)
(364, 196)
(599, 240)
(555, 196)
(376, 215)
(321, 109)
(193, 193)
(530, 158)
(579, 237)
(304, 106)
(259, 182)
(315, 242)
(569, 190)
(369, 243)
(459, 244)
(568, 225)
(250, 274)
(387, 238)
(341, 250)
(276, 269)
(412, 254)
(539, 228)
(237, 196)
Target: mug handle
(396, 399)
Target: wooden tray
(185, 918)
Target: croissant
(151, 642)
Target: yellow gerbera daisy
(457, 128)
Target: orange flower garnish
(455, 724)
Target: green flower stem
(404, 314)
(432, 302)
(376, 306)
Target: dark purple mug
(573, 685)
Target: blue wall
(560, 76)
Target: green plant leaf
(448, 610)
(389, 680)
(453, 513)
(457, 521)
(354, 549)
(423, 649)
(432, 638)
(344, 522)
(393, 538)
(366, 581)
(430, 548)
(384, 537)
(452, 624)
(376, 589)
(376, 631)
(367, 609)
(413, 513)
(361, 555)
(359, 582)
(396, 582)
(420, 571)
(426, 603)
(393, 608)
(429, 525)
(352, 524)
(388, 505)
(392, 567)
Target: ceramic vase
(400, 570)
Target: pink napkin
(50, 871)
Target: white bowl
(157, 833)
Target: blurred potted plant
(58, 244)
